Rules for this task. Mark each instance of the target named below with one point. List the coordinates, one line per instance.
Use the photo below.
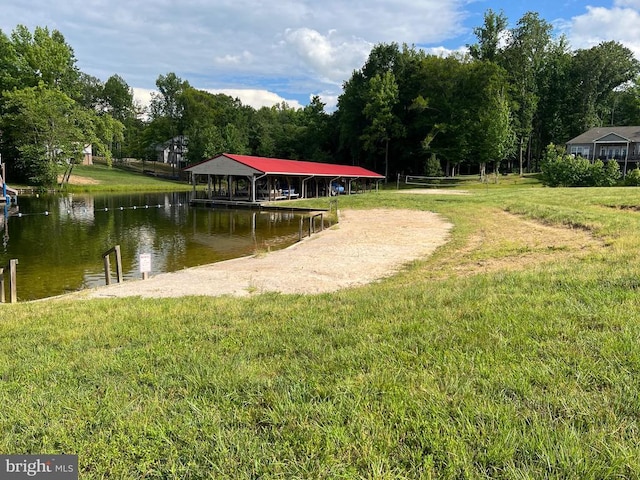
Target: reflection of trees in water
(62, 251)
(7, 211)
(78, 208)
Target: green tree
(315, 132)
(486, 116)
(496, 137)
(213, 123)
(279, 131)
(262, 139)
(351, 118)
(383, 125)
(117, 98)
(443, 109)
(523, 58)
(432, 167)
(205, 141)
(596, 73)
(166, 107)
(489, 36)
(44, 57)
(8, 64)
(624, 106)
(108, 132)
(552, 121)
(48, 129)
(89, 92)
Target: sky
(269, 51)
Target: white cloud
(332, 59)
(142, 96)
(330, 101)
(255, 98)
(601, 24)
(232, 60)
(446, 52)
(627, 3)
(301, 46)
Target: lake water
(59, 240)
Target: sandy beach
(365, 246)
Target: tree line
(515, 91)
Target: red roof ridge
(298, 167)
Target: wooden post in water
(107, 269)
(118, 264)
(107, 264)
(13, 288)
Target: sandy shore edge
(365, 246)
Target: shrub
(611, 173)
(560, 169)
(432, 167)
(633, 177)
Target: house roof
(220, 165)
(179, 142)
(631, 134)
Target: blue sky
(269, 51)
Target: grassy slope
(119, 179)
(530, 373)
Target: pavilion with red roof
(256, 179)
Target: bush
(611, 173)
(560, 169)
(633, 177)
(433, 168)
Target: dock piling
(13, 288)
(107, 264)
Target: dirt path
(365, 246)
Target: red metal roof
(278, 166)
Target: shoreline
(365, 246)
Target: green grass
(474, 182)
(121, 179)
(532, 372)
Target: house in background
(620, 144)
(173, 151)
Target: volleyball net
(437, 182)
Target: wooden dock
(11, 195)
(258, 205)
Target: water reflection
(59, 239)
(7, 211)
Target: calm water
(59, 239)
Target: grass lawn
(497, 357)
(119, 178)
